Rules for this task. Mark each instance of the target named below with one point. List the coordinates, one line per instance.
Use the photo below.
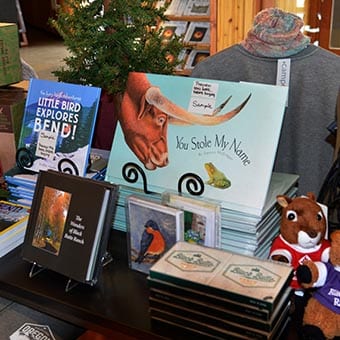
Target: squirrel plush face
(303, 222)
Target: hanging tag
(283, 73)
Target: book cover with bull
(223, 135)
(58, 126)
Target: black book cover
(69, 224)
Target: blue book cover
(222, 134)
(58, 126)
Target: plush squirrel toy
(302, 235)
(322, 313)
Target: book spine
(160, 288)
(224, 317)
(200, 323)
(113, 192)
(267, 305)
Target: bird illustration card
(153, 229)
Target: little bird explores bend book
(58, 126)
(69, 224)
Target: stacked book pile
(120, 218)
(13, 223)
(242, 233)
(217, 294)
(21, 182)
(252, 234)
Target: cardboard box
(12, 104)
(10, 64)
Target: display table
(118, 304)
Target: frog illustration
(216, 177)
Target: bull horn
(154, 97)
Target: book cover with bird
(153, 229)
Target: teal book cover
(58, 126)
(215, 139)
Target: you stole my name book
(69, 225)
(58, 126)
(230, 275)
(222, 134)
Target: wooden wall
(234, 18)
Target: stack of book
(21, 182)
(250, 234)
(13, 223)
(217, 294)
(242, 233)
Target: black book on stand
(69, 225)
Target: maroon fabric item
(106, 123)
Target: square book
(228, 275)
(69, 225)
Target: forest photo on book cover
(51, 220)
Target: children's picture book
(222, 135)
(58, 126)
(13, 222)
(152, 230)
(202, 219)
(69, 224)
(241, 278)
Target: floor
(44, 52)
(14, 316)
